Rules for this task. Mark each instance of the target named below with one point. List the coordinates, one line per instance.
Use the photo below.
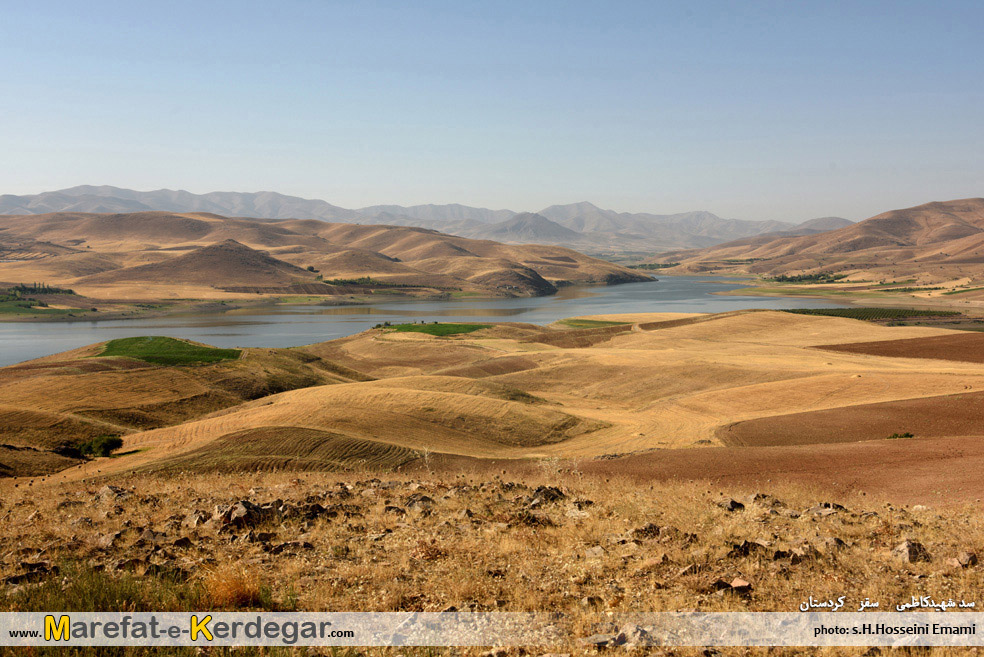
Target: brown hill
(511, 391)
(225, 263)
(189, 255)
(941, 240)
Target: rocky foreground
(559, 542)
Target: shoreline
(217, 306)
(873, 298)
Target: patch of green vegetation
(969, 289)
(905, 282)
(36, 288)
(741, 261)
(589, 323)
(100, 446)
(654, 265)
(819, 277)
(869, 314)
(911, 289)
(362, 281)
(898, 436)
(167, 351)
(435, 328)
(30, 307)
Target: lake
(293, 325)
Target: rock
(107, 541)
(133, 564)
(825, 509)
(731, 505)
(530, 519)
(763, 499)
(420, 502)
(290, 546)
(919, 508)
(631, 636)
(967, 559)
(911, 551)
(149, 537)
(194, 519)
(741, 586)
(112, 493)
(832, 543)
(651, 530)
(599, 640)
(596, 552)
(244, 514)
(964, 560)
(804, 551)
(183, 542)
(746, 548)
(395, 510)
(544, 495)
(591, 601)
(464, 514)
(33, 572)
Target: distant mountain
(528, 227)
(825, 223)
(582, 226)
(88, 198)
(432, 213)
(939, 240)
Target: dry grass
(478, 546)
(232, 586)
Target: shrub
(100, 446)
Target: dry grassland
(316, 541)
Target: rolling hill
(934, 242)
(382, 398)
(589, 228)
(146, 255)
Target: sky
(752, 110)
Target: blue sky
(753, 110)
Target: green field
(436, 329)
(589, 323)
(24, 307)
(167, 351)
(873, 313)
(969, 289)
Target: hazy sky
(754, 110)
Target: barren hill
(529, 227)
(225, 263)
(593, 229)
(192, 255)
(940, 239)
(767, 380)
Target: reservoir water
(293, 325)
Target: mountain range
(936, 241)
(202, 255)
(582, 226)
